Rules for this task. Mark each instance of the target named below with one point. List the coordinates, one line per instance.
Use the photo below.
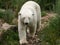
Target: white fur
(27, 10)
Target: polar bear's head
(26, 16)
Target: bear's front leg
(22, 34)
(34, 31)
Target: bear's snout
(26, 21)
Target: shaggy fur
(30, 13)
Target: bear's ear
(33, 14)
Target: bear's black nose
(26, 23)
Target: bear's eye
(19, 14)
(33, 14)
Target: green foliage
(16, 4)
(47, 4)
(43, 13)
(1, 14)
(10, 38)
(51, 34)
(57, 6)
(8, 15)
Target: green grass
(10, 38)
(8, 15)
(50, 35)
(43, 13)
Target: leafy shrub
(8, 15)
(57, 6)
(43, 13)
(10, 37)
(50, 34)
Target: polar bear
(29, 18)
